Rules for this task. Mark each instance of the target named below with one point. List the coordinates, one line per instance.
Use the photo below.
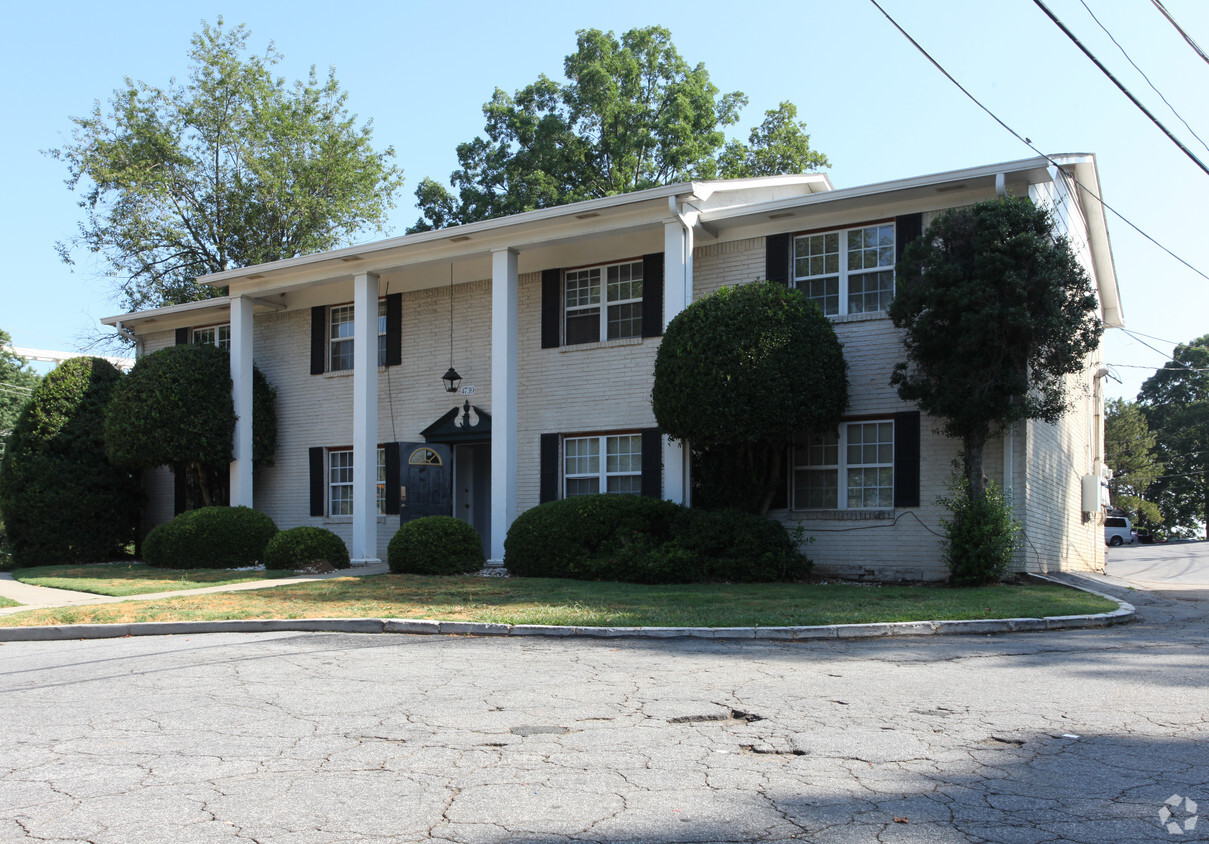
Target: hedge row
(644, 540)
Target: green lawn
(135, 578)
(570, 602)
(8, 602)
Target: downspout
(687, 251)
(129, 335)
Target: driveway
(1180, 564)
(1074, 735)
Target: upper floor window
(611, 463)
(850, 271)
(603, 302)
(340, 336)
(852, 468)
(214, 335)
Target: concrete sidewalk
(42, 597)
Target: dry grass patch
(568, 602)
(122, 579)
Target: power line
(1143, 73)
(1180, 30)
(1155, 368)
(1123, 89)
(1027, 142)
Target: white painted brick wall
(606, 387)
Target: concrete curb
(1124, 613)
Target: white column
(241, 392)
(365, 419)
(677, 294)
(504, 343)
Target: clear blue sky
(873, 105)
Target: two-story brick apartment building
(552, 319)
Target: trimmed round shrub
(210, 538)
(435, 545)
(305, 546)
(575, 537)
(61, 500)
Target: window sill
(347, 520)
(842, 515)
(346, 373)
(602, 344)
(868, 317)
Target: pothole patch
(770, 751)
(731, 715)
(538, 730)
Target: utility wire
(1143, 73)
(1124, 90)
(1027, 142)
(1180, 30)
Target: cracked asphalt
(1035, 737)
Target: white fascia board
(876, 189)
(584, 217)
(219, 304)
(1087, 177)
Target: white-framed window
(847, 271)
(588, 318)
(340, 336)
(340, 481)
(608, 463)
(852, 468)
(214, 335)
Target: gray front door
(426, 481)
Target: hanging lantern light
(451, 379)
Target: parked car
(1118, 531)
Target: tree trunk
(199, 472)
(772, 476)
(972, 461)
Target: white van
(1118, 531)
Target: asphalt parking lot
(1084, 735)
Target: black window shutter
(652, 295)
(776, 258)
(906, 459)
(394, 330)
(552, 308)
(179, 500)
(652, 463)
(318, 340)
(318, 485)
(392, 478)
(182, 336)
(549, 468)
(906, 229)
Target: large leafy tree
(633, 114)
(737, 375)
(230, 168)
(1176, 403)
(17, 382)
(1129, 448)
(62, 501)
(175, 409)
(997, 312)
